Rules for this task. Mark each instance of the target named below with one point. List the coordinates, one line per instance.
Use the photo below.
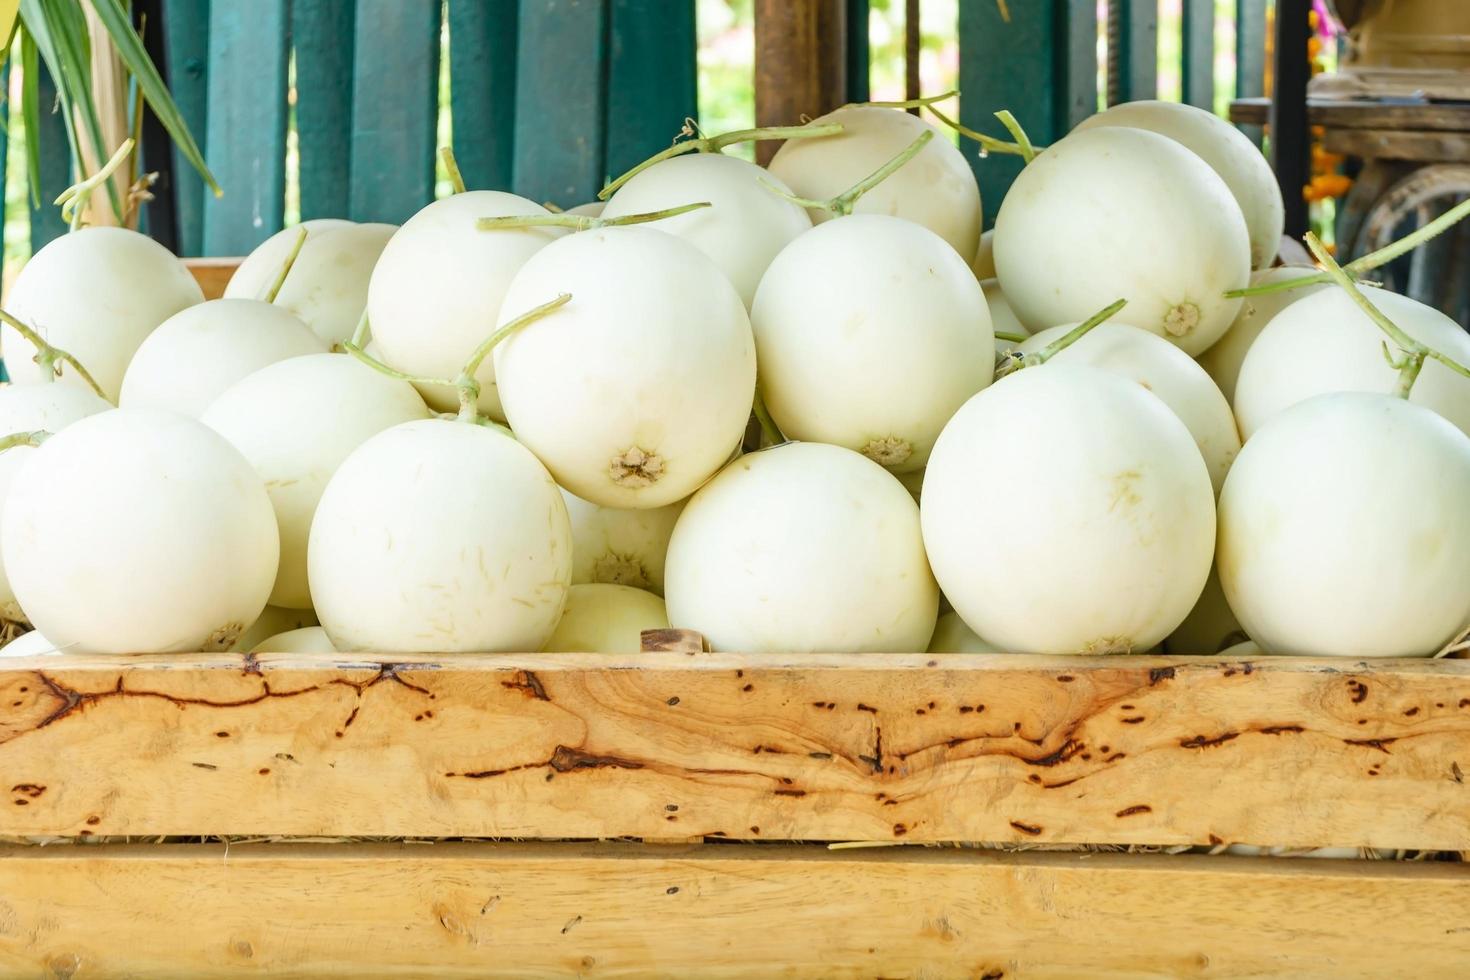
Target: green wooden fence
(550, 97)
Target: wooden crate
(732, 772)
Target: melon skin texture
(1066, 510)
(438, 286)
(31, 644)
(1002, 317)
(1210, 627)
(296, 421)
(328, 284)
(742, 230)
(1324, 343)
(258, 271)
(638, 389)
(440, 535)
(307, 639)
(273, 620)
(199, 352)
(951, 635)
(802, 548)
(1224, 358)
(86, 279)
(1147, 221)
(1345, 529)
(35, 408)
(620, 547)
(879, 365)
(1158, 366)
(935, 189)
(139, 531)
(1227, 150)
(984, 262)
(602, 618)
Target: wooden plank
(858, 69)
(395, 117)
(800, 62)
(1041, 65)
(514, 910)
(246, 124)
(322, 35)
(651, 77)
(1250, 58)
(55, 164)
(1198, 54)
(1452, 117)
(213, 275)
(1133, 39)
(1423, 146)
(1126, 750)
(482, 89)
(186, 58)
(561, 76)
(1290, 138)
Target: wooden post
(482, 88)
(185, 30)
(395, 98)
(1040, 64)
(1250, 56)
(1290, 137)
(800, 62)
(322, 32)
(651, 78)
(1199, 54)
(1133, 45)
(857, 51)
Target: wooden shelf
(1450, 116)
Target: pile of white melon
(265, 484)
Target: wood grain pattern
(516, 910)
(1364, 115)
(1428, 146)
(651, 76)
(185, 29)
(1130, 750)
(212, 275)
(801, 61)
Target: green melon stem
(73, 200)
(582, 222)
(1367, 263)
(51, 358)
(456, 179)
(988, 144)
(843, 203)
(1014, 361)
(23, 439)
(716, 144)
(1413, 354)
(469, 388)
(275, 290)
(922, 102)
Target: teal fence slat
(1199, 53)
(322, 36)
(1041, 66)
(1250, 55)
(1133, 27)
(186, 43)
(1076, 67)
(561, 98)
(55, 163)
(395, 108)
(482, 90)
(651, 78)
(859, 61)
(246, 124)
